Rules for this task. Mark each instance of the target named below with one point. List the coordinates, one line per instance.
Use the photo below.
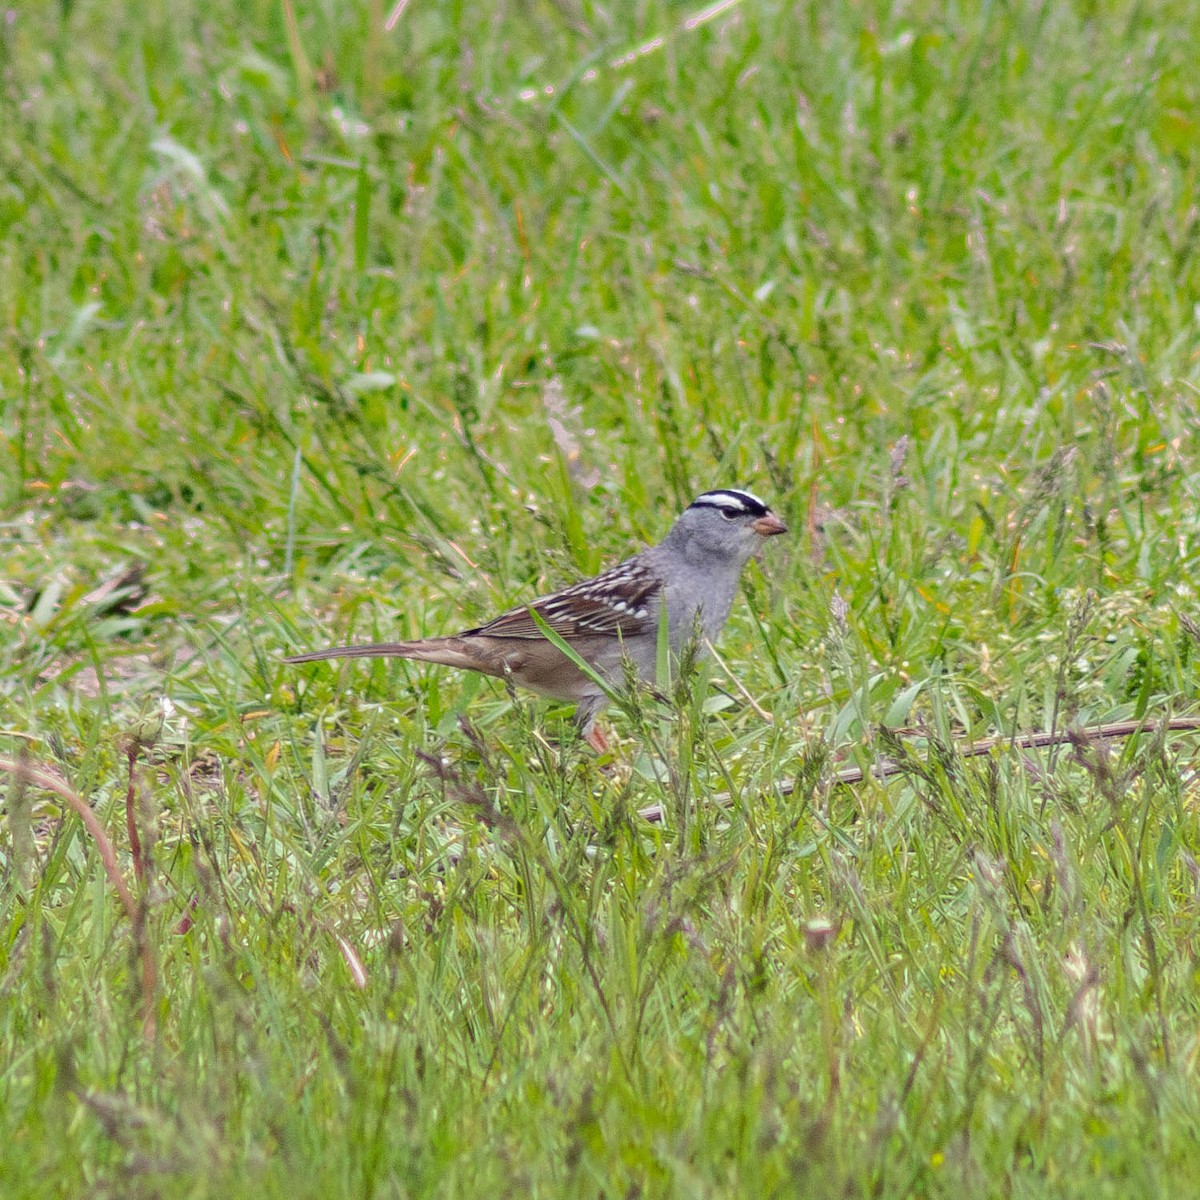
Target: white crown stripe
(732, 499)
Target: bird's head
(728, 523)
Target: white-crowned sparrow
(694, 570)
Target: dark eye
(728, 514)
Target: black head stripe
(732, 500)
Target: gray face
(726, 524)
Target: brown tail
(373, 650)
(447, 651)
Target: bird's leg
(585, 718)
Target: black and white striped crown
(732, 501)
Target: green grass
(289, 305)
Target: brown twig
(1027, 741)
(49, 780)
(135, 842)
(887, 768)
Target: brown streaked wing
(615, 604)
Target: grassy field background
(327, 321)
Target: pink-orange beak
(769, 526)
